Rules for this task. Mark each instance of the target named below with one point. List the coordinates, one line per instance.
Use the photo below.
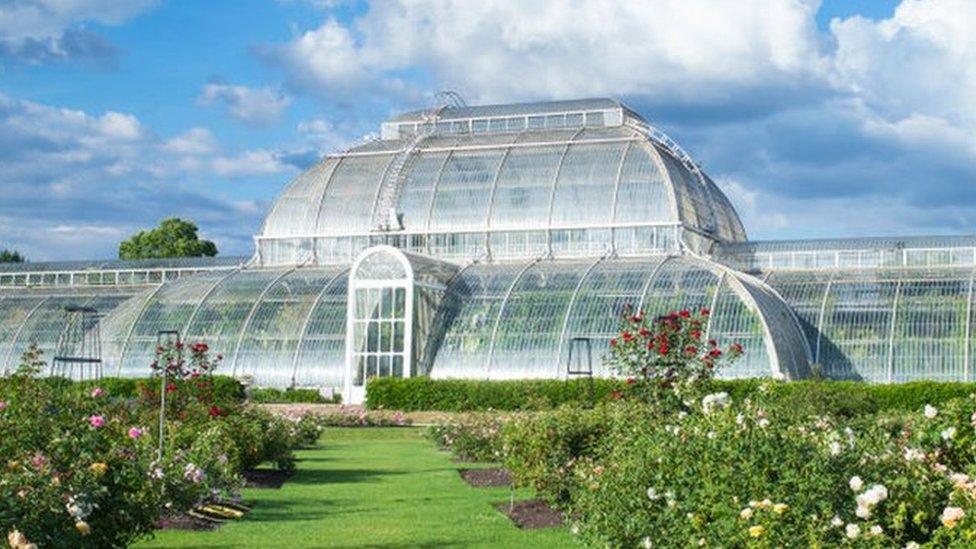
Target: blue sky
(818, 119)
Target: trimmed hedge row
(292, 396)
(845, 398)
(225, 387)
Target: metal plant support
(165, 337)
(579, 363)
(79, 344)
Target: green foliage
(456, 395)
(79, 462)
(543, 450)
(470, 437)
(290, 395)
(173, 238)
(11, 256)
(664, 358)
(842, 398)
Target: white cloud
(195, 141)
(498, 50)
(74, 182)
(35, 31)
(255, 105)
(255, 162)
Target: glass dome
(568, 188)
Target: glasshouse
(499, 242)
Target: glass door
(379, 333)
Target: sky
(818, 119)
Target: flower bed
(676, 460)
(82, 467)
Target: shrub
(542, 450)
(665, 358)
(752, 473)
(470, 437)
(457, 395)
(295, 396)
(841, 398)
(358, 417)
(79, 465)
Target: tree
(173, 238)
(11, 256)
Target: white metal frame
(352, 393)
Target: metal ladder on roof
(664, 140)
(384, 214)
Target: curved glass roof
(531, 179)
(885, 325)
(516, 320)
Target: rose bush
(81, 467)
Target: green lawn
(372, 488)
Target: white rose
(931, 411)
(852, 531)
(856, 483)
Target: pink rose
(97, 392)
(96, 421)
(135, 433)
(3, 404)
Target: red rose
(627, 337)
(170, 387)
(736, 347)
(214, 411)
(616, 395)
(644, 332)
(691, 350)
(631, 381)
(684, 313)
(613, 342)
(705, 311)
(714, 353)
(696, 334)
(663, 349)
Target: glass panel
(642, 195)
(348, 202)
(524, 186)
(584, 190)
(418, 189)
(464, 190)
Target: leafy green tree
(11, 256)
(173, 238)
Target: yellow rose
(13, 464)
(780, 508)
(83, 527)
(16, 539)
(757, 531)
(99, 469)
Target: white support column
(305, 323)
(552, 190)
(714, 305)
(501, 310)
(189, 322)
(13, 341)
(891, 333)
(250, 316)
(967, 338)
(821, 316)
(650, 279)
(569, 312)
(132, 328)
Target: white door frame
(353, 394)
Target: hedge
(302, 396)
(845, 398)
(128, 387)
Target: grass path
(382, 488)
